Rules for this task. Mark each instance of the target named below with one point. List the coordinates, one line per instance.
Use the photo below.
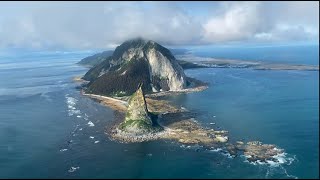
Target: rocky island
(132, 81)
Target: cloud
(98, 25)
(264, 21)
(238, 22)
(90, 25)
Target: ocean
(287, 54)
(48, 130)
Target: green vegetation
(119, 94)
(126, 80)
(141, 124)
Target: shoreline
(113, 103)
(179, 125)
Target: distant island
(133, 80)
(95, 59)
(199, 62)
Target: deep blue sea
(48, 130)
(290, 54)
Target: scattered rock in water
(239, 142)
(232, 149)
(70, 141)
(73, 169)
(221, 139)
(255, 151)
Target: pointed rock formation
(137, 118)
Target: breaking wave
(71, 103)
(280, 159)
(276, 167)
(90, 124)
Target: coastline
(180, 125)
(201, 62)
(113, 103)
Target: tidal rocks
(255, 151)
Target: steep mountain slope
(133, 62)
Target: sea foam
(280, 159)
(90, 124)
(71, 103)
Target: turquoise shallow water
(46, 126)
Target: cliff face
(163, 65)
(137, 117)
(137, 61)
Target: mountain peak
(134, 61)
(138, 39)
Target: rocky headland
(132, 81)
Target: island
(133, 82)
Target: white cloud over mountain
(87, 25)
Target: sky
(104, 25)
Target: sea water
(48, 130)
